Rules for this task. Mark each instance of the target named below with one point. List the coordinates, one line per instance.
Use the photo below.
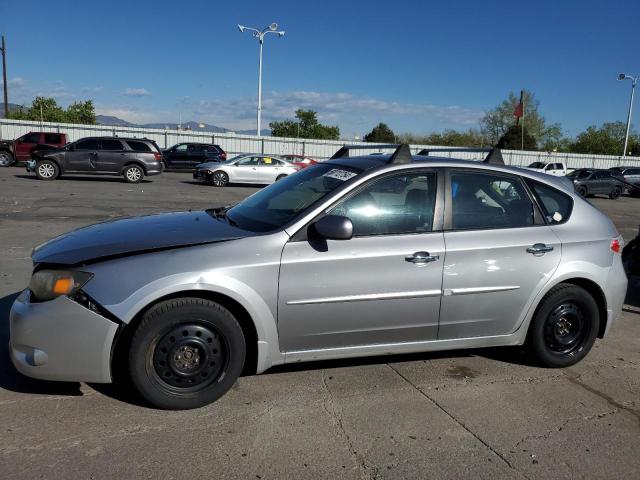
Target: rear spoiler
(494, 155)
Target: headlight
(49, 284)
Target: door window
(392, 205)
(181, 148)
(52, 138)
(481, 200)
(31, 138)
(248, 161)
(88, 144)
(108, 144)
(195, 148)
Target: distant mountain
(194, 126)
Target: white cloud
(15, 82)
(137, 92)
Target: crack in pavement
(467, 429)
(574, 378)
(367, 471)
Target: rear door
(111, 156)
(196, 154)
(82, 157)
(382, 285)
(268, 170)
(499, 255)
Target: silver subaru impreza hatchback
(356, 256)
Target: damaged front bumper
(60, 340)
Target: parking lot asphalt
(459, 414)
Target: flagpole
(522, 128)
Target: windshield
(579, 174)
(278, 204)
(537, 165)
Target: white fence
(318, 149)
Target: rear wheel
(582, 191)
(47, 170)
(6, 159)
(219, 179)
(615, 193)
(133, 174)
(186, 353)
(280, 177)
(564, 327)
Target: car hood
(209, 165)
(133, 235)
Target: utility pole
(4, 79)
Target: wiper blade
(222, 213)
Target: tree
(606, 140)
(48, 110)
(496, 122)
(448, 138)
(307, 126)
(381, 133)
(513, 139)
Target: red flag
(519, 111)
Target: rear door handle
(421, 258)
(539, 249)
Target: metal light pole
(260, 34)
(3, 49)
(634, 81)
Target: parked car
(351, 257)
(299, 160)
(21, 149)
(594, 181)
(631, 177)
(133, 158)
(188, 155)
(246, 168)
(551, 168)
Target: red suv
(20, 149)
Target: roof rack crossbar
(494, 154)
(401, 153)
(344, 150)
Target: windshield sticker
(557, 217)
(338, 174)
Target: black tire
(219, 179)
(634, 192)
(6, 158)
(133, 174)
(582, 191)
(186, 353)
(615, 193)
(564, 327)
(280, 177)
(47, 170)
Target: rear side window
(138, 146)
(52, 138)
(212, 149)
(557, 206)
(111, 144)
(482, 201)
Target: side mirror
(334, 227)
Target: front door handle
(539, 249)
(421, 258)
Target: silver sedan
(357, 256)
(246, 168)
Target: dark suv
(593, 181)
(188, 155)
(133, 158)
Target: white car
(246, 168)
(551, 168)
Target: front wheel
(564, 328)
(133, 174)
(47, 170)
(582, 191)
(219, 179)
(6, 159)
(186, 353)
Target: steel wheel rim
(219, 179)
(190, 357)
(46, 170)
(133, 174)
(566, 329)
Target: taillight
(223, 156)
(157, 156)
(617, 244)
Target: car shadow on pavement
(14, 381)
(86, 178)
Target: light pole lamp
(260, 34)
(634, 81)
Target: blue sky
(419, 66)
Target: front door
(177, 156)
(381, 286)
(25, 144)
(82, 157)
(245, 170)
(499, 255)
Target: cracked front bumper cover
(60, 340)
